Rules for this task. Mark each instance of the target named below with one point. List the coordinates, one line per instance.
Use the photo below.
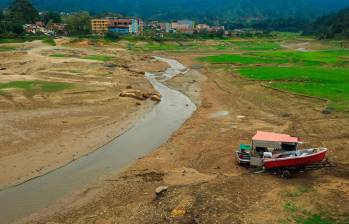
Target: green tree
(112, 36)
(22, 11)
(330, 26)
(8, 28)
(78, 23)
(4, 27)
(17, 29)
(50, 16)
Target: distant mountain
(332, 25)
(199, 10)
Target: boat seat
(276, 155)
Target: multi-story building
(202, 27)
(183, 26)
(136, 26)
(100, 26)
(117, 25)
(121, 26)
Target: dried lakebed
(154, 129)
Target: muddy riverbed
(149, 133)
(205, 183)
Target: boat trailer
(288, 172)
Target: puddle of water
(154, 129)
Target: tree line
(22, 12)
(334, 25)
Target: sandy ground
(41, 131)
(206, 185)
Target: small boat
(279, 152)
(296, 158)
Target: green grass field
(323, 74)
(36, 85)
(194, 46)
(59, 55)
(257, 45)
(163, 47)
(307, 58)
(313, 74)
(49, 41)
(313, 58)
(240, 59)
(104, 58)
(329, 83)
(171, 46)
(7, 48)
(20, 39)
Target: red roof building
(274, 137)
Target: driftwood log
(139, 95)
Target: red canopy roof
(274, 137)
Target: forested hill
(200, 10)
(332, 25)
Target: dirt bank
(198, 165)
(77, 111)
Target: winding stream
(154, 129)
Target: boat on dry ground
(279, 153)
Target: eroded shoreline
(153, 130)
(43, 130)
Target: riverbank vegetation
(35, 85)
(7, 48)
(103, 58)
(317, 73)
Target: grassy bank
(20, 39)
(59, 55)
(329, 83)
(7, 48)
(207, 45)
(103, 58)
(257, 45)
(322, 74)
(35, 85)
(245, 59)
(314, 58)
(49, 41)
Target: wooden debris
(139, 95)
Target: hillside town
(125, 26)
(49, 30)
